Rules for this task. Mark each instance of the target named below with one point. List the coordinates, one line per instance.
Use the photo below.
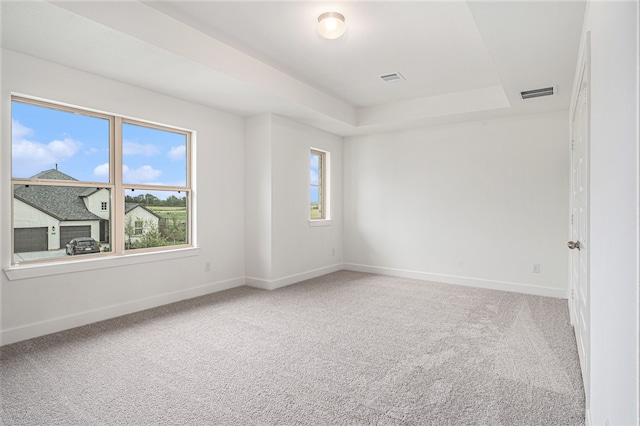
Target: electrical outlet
(536, 268)
(207, 266)
(333, 252)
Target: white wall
(257, 195)
(282, 248)
(276, 194)
(475, 203)
(75, 295)
(297, 247)
(614, 213)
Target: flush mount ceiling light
(331, 25)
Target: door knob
(574, 245)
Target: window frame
(123, 186)
(138, 227)
(323, 187)
(115, 185)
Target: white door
(579, 243)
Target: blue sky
(314, 178)
(79, 144)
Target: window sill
(22, 272)
(320, 222)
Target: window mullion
(117, 202)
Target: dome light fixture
(331, 25)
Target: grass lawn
(315, 211)
(170, 212)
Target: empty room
(319, 213)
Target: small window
(138, 227)
(318, 185)
(103, 206)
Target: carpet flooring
(346, 348)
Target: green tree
(149, 237)
(129, 232)
(175, 228)
(137, 199)
(172, 201)
(151, 200)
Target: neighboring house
(139, 217)
(48, 217)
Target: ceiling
(461, 60)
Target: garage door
(30, 239)
(68, 233)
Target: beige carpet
(344, 349)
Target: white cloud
(144, 174)
(177, 152)
(134, 148)
(102, 170)
(18, 131)
(65, 148)
(29, 157)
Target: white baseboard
(291, 279)
(30, 331)
(452, 279)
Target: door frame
(583, 82)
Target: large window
(80, 175)
(318, 185)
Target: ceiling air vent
(547, 91)
(390, 78)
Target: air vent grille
(393, 77)
(547, 91)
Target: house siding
(94, 203)
(26, 216)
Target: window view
(64, 182)
(154, 165)
(155, 219)
(61, 150)
(45, 139)
(153, 156)
(46, 218)
(318, 184)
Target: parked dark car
(82, 245)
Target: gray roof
(63, 203)
(54, 174)
(130, 206)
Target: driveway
(38, 255)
